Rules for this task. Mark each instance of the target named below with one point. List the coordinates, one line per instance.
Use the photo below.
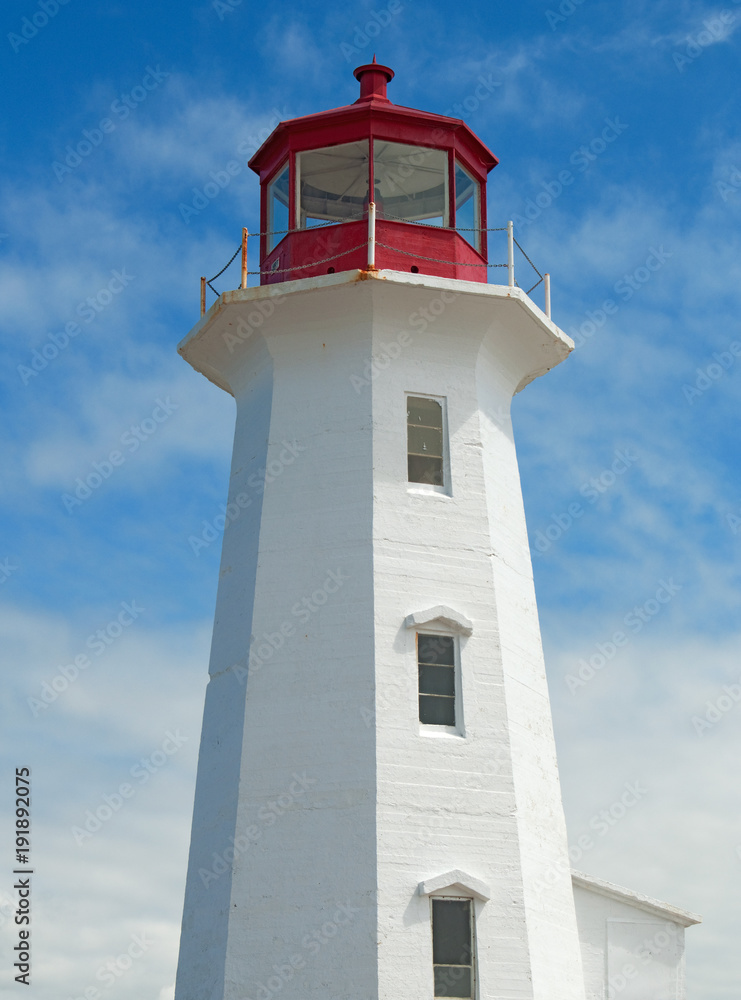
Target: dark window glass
(452, 947)
(453, 981)
(437, 680)
(436, 649)
(436, 666)
(425, 440)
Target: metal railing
(372, 243)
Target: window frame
(270, 237)
(299, 223)
(431, 728)
(476, 241)
(444, 897)
(434, 694)
(415, 487)
(445, 214)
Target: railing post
(547, 285)
(203, 295)
(371, 235)
(511, 254)
(245, 234)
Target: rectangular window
(411, 183)
(467, 208)
(425, 441)
(452, 947)
(436, 667)
(278, 208)
(332, 184)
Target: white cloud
(127, 877)
(148, 422)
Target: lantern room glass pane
(467, 206)
(411, 183)
(278, 208)
(332, 184)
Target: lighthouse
(377, 810)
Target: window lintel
(457, 880)
(440, 616)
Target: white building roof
(637, 899)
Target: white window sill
(429, 491)
(441, 732)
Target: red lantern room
(424, 173)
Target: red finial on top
(373, 79)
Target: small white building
(378, 807)
(632, 946)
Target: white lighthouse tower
(377, 810)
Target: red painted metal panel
(410, 245)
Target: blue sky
(617, 128)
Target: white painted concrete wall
(323, 902)
(630, 951)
